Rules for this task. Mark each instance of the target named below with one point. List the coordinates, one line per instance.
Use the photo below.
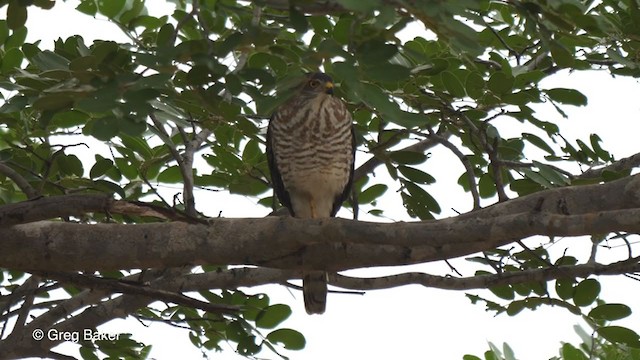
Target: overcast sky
(410, 322)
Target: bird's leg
(312, 206)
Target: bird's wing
(337, 202)
(276, 178)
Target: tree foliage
(185, 102)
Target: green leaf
(247, 346)
(298, 20)
(101, 167)
(610, 312)
(538, 142)
(11, 60)
(565, 288)
(88, 7)
(619, 334)
(346, 71)
(53, 102)
(102, 128)
(416, 175)
(486, 186)
(372, 193)
(586, 292)
(48, 60)
(595, 144)
(110, 8)
(361, 6)
(524, 186)
(67, 119)
(407, 157)
(171, 175)
(515, 307)
(375, 51)
(531, 77)
(500, 83)
(562, 56)
(474, 85)
(252, 153)
(69, 165)
(551, 174)
(272, 316)
(16, 15)
(136, 144)
(503, 291)
(421, 200)
(109, 187)
(567, 96)
(88, 353)
(254, 305)
(4, 31)
(453, 84)
(386, 72)
(290, 339)
(16, 39)
(569, 352)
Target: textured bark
(321, 244)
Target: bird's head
(318, 83)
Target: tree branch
(627, 163)
(53, 207)
(323, 244)
(374, 162)
(484, 281)
(20, 181)
(134, 288)
(473, 185)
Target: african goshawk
(311, 150)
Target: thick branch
(328, 244)
(77, 205)
(53, 207)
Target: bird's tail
(314, 289)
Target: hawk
(311, 151)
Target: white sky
(410, 322)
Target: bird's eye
(314, 83)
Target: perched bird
(311, 151)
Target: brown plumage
(311, 150)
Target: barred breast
(313, 147)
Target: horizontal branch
(53, 207)
(326, 244)
(63, 206)
(624, 164)
(484, 281)
(254, 276)
(134, 288)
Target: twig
(473, 185)
(376, 161)
(119, 286)
(492, 151)
(20, 181)
(627, 163)
(484, 281)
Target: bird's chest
(317, 125)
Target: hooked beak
(329, 87)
